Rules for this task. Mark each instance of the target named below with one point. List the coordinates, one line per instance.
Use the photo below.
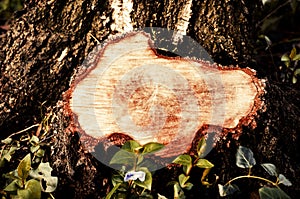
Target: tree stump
(133, 91)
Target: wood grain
(151, 98)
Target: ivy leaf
(24, 167)
(244, 158)
(268, 41)
(294, 80)
(48, 183)
(13, 186)
(34, 140)
(296, 58)
(178, 192)
(293, 53)
(201, 147)
(185, 161)
(183, 182)
(43, 170)
(7, 141)
(187, 169)
(144, 162)
(12, 175)
(34, 148)
(203, 163)
(272, 193)
(123, 157)
(270, 168)
(283, 180)
(152, 147)
(147, 183)
(116, 179)
(204, 177)
(161, 196)
(111, 193)
(8, 153)
(286, 59)
(297, 71)
(183, 179)
(32, 190)
(131, 145)
(227, 189)
(40, 153)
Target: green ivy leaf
(111, 193)
(40, 153)
(296, 58)
(123, 157)
(272, 193)
(245, 158)
(7, 141)
(50, 184)
(140, 159)
(293, 53)
(12, 175)
(185, 160)
(270, 168)
(131, 145)
(227, 189)
(204, 177)
(203, 163)
(147, 183)
(187, 169)
(34, 148)
(43, 170)
(161, 196)
(152, 147)
(183, 179)
(183, 182)
(117, 179)
(24, 167)
(294, 80)
(34, 140)
(297, 72)
(268, 41)
(201, 147)
(13, 186)
(7, 155)
(147, 162)
(178, 192)
(43, 174)
(285, 58)
(32, 190)
(283, 180)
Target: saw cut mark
(132, 90)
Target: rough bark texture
(49, 39)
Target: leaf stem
(13, 134)
(255, 177)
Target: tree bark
(49, 40)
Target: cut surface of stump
(132, 90)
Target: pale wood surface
(151, 98)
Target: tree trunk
(49, 40)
